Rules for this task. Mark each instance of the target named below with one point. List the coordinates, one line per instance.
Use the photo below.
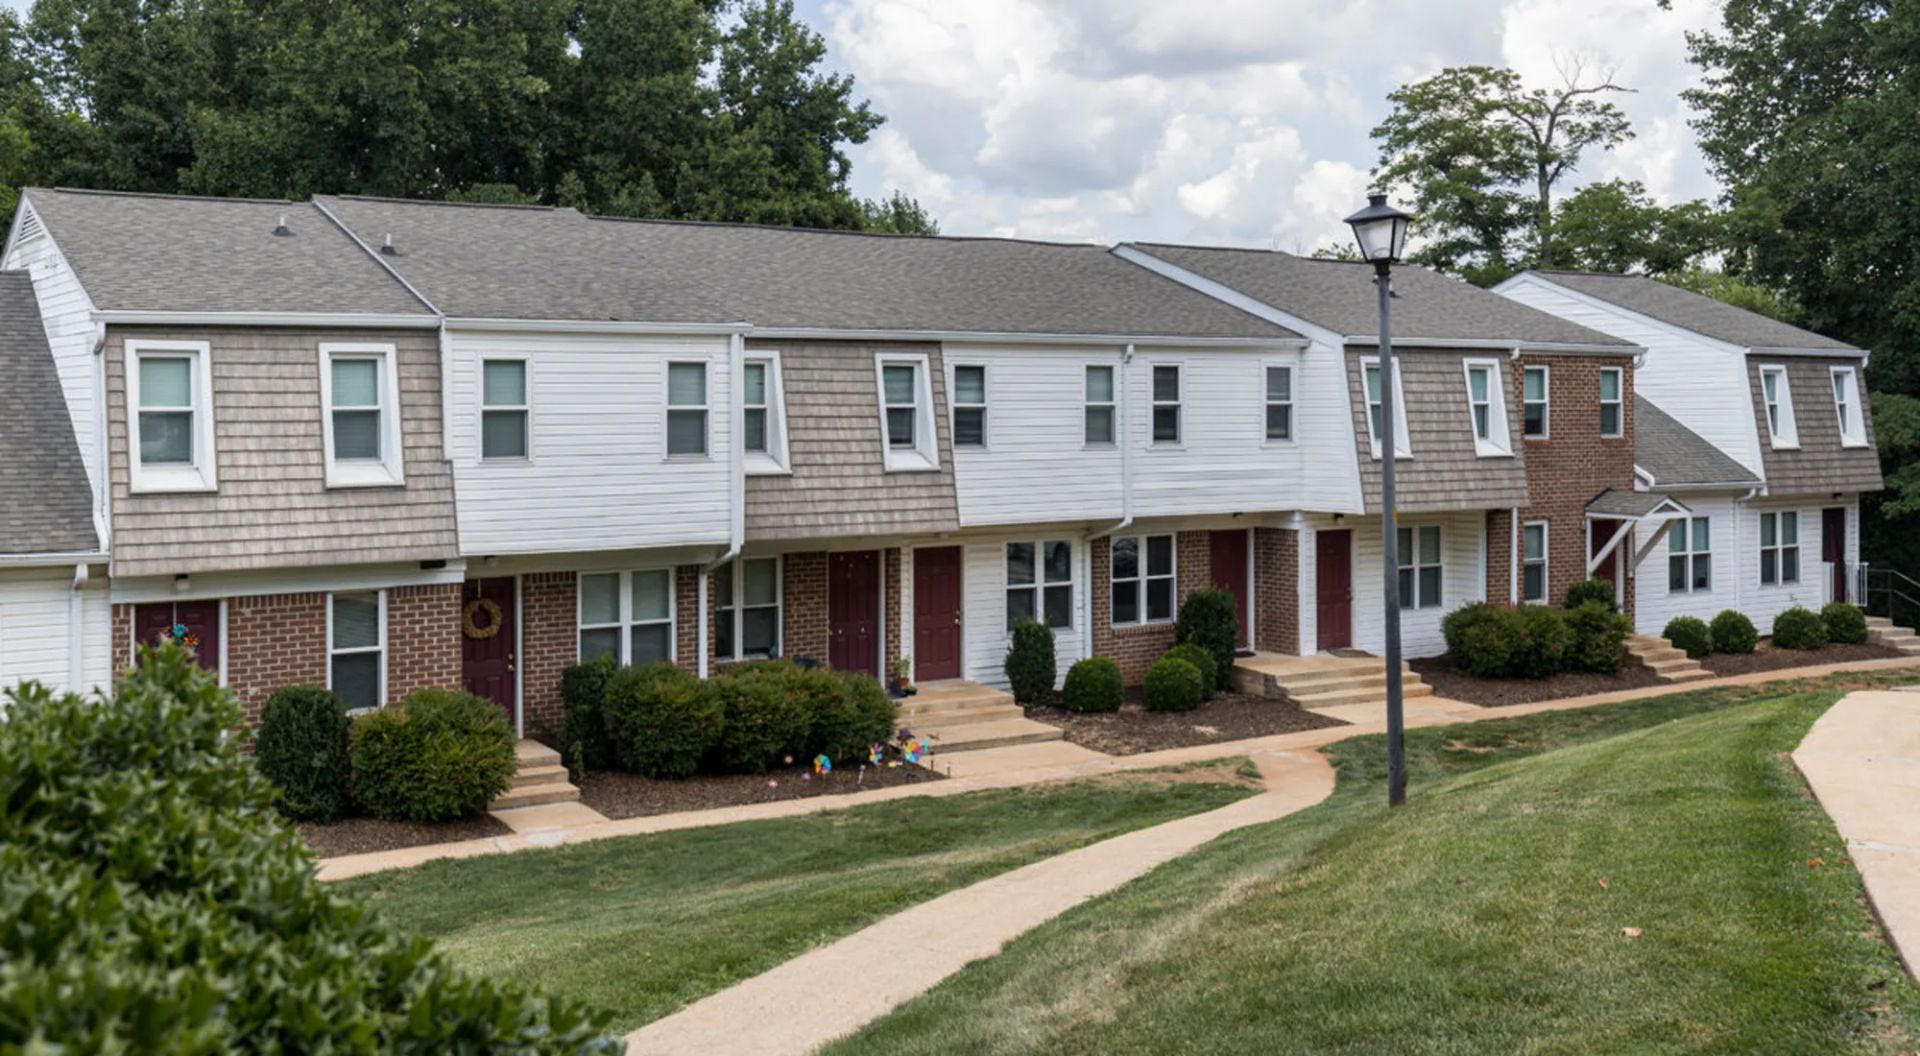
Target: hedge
(1599, 638)
(440, 754)
(1031, 666)
(301, 746)
(1208, 619)
(663, 721)
(583, 696)
(1093, 685)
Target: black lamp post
(1381, 231)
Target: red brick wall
(1135, 648)
(424, 642)
(275, 640)
(1276, 590)
(803, 605)
(122, 638)
(686, 616)
(893, 593)
(549, 642)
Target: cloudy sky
(1238, 121)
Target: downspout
(76, 630)
(736, 484)
(103, 492)
(1121, 398)
(1513, 556)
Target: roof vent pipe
(386, 247)
(281, 229)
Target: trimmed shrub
(1480, 639)
(583, 698)
(1799, 628)
(1690, 635)
(1846, 624)
(1590, 590)
(1031, 665)
(440, 754)
(1734, 633)
(1094, 684)
(847, 714)
(1173, 685)
(1599, 638)
(663, 721)
(301, 746)
(1207, 619)
(1543, 642)
(1202, 660)
(764, 715)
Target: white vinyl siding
(1739, 541)
(984, 619)
(1463, 580)
(66, 314)
(38, 638)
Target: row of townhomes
(380, 444)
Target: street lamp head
(1381, 231)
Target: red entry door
(1230, 574)
(489, 618)
(853, 611)
(936, 613)
(1598, 533)
(201, 618)
(1333, 586)
(1833, 547)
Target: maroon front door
(489, 611)
(1833, 547)
(1598, 532)
(1230, 574)
(936, 613)
(1333, 579)
(201, 619)
(853, 611)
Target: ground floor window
(747, 608)
(1040, 583)
(1690, 556)
(1779, 548)
(1533, 562)
(356, 647)
(627, 615)
(1420, 566)
(1143, 579)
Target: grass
(1488, 915)
(639, 926)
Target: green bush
(1799, 628)
(1543, 644)
(1599, 638)
(1690, 635)
(1480, 639)
(1031, 666)
(1094, 684)
(847, 713)
(663, 721)
(583, 698)
(1586, 590)
(1207, 619)
(1846, 624)
(1734, 633)
(152, 900)
(1202, 660)
(440, 754)
(301, 746)
(764, 716)
(1173, 685)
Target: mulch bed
(1229, 716)
(619, 795)
(361, 835)
(1767, 658)
(1437, 671)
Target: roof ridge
(106, 193)
(791, 229)
(530, 207)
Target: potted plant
(898, 686)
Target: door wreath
(471, 628)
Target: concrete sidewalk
(1862, 760)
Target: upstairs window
(1420, 567)
(747, 608)
(627, 615)
(170, 410)
(504, 409)
(763, 424)
(1846, 405)
(1040, 583)
(686, 409)
(1612, 402)
(1143, 579)
(1777, 397)
(359, 387)
(1689, 556)
(1535, 420)
(970, 406)
(356, 648)
(1533, 562)
(906, 412)
(1370, 379)
(754, 409)
(1099, 405)
(1487, 407)
(1166, 404)
(1779, 548)
(1279, 403)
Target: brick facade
(803, 601)
(1276, 590)
(275, 640)
(1136, 647)
(895, 590)
(423, 639)
(549, 643)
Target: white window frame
(775, 459)
(625, 623)
(1409, 561)
(201, 474)
(1268, 403)
(1141, 578)
(1497, 442)
(1690, 554)
(954, 406)
(1618, 403)
(924, 455)
(1178, 403)
(381, 649)
(525, 409)
(1402, 446)
(390, 468)
(1040, 581)
(1545, 562)
(1853, 427)
(670, 408)
(1545, 401)
(735, 608)
(1783, 431)
(1111, 404)
(1778, 548)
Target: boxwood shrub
(1031, 665)
(583, 697)
(1203, 661)
(1543, 644)
(1599, 638)
(440, 754)
(1690, 635)
(663, 721)
(846, 713)
(1799, 628)
(763, 716)
(1590, 590)
(1846, 624)
(1173, 685)
(301, 746)
(1093, 684)
(1481, 639)
(1208, 619)
(1734, 633)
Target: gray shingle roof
(168, 253)
(1692, 311)
(1340, 296)
(1636, 504)
(1678, 456)
(46, 506)
(539, 263)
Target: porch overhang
(1632, 509)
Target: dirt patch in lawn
(363, 835)
(619, 795)
(1228, 716)
(1438, 672)
(1767, 658)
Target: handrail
(1884, 584)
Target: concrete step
(529, 776)
(1671, 665)
(1320, 680)
(913, 717)
(1359, 694)
(1694, 675)
(972, 736)
(533, 753)
(535, 795)
(1666, 662)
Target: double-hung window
(504, 410)
(1777, 397)
(356, 648)
(1370, 381)
(627, 615)
(1689, 556)
(1535, 420)
(1040, 583)
(1279, 403)
(1779, 548)
(747, 608)
(1487, 407)
(1533, 562)
(686, 409)
(1420, 566)
(359, 386)
(1143, 579)
(1846, 406)
(1166, 403)
(1099, 405)
(170, 409)
(753, 404)
(763, 425)
(906, 412)
(1612, 402)
(969, 405)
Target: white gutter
(52, 560)
(1121, 399)
(103, 495)
(737, 478)
(141, 317)
(1538, 347)
(77, 631)
(1513, 557)
(595, 326)
(1014, 337)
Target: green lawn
(640, 926)
(1486, 916)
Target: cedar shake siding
(1443, 471)
(1820, 464)
(839, 484)
(273, 508)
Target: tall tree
(1614, 226)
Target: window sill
(171, 480)
(1491, 451)
(910, 462)
(702, 457)
(758, 465)
(1272, 442)
(1099, 445)
(1141, 625)
(1853, 445)
(1785, 445)
(1398, 455)
(364, 476)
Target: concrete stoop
(1883, 631)
(1324, 685)
(1659, 656)
(957, 716)
(541, 779)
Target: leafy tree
(1741, 294)
(1614, 226)
(899, 214)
